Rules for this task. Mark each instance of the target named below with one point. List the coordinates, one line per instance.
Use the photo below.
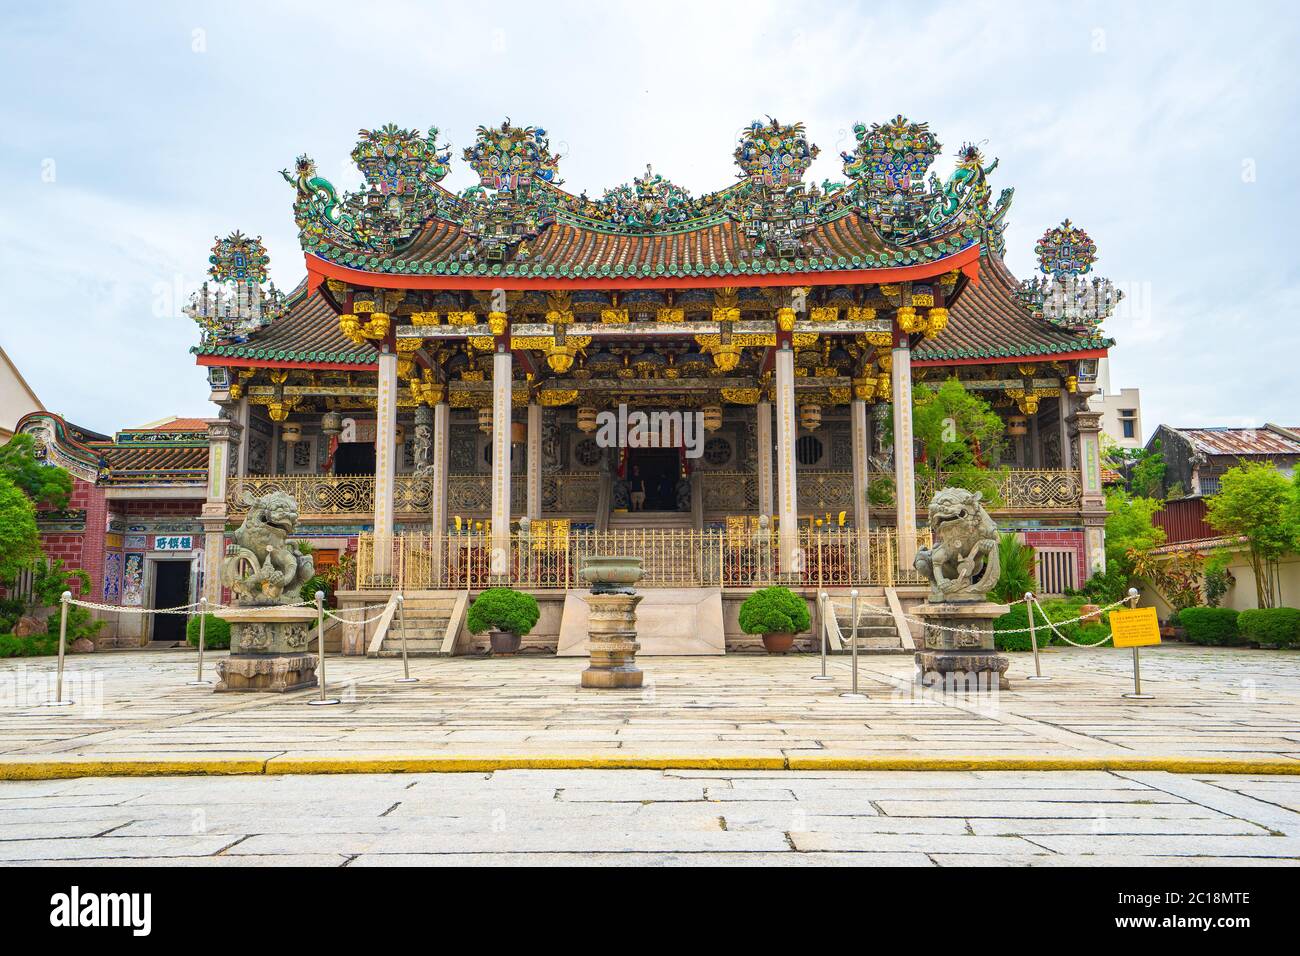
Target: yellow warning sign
(1136, 627)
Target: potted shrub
(778, 614)
(507, 614)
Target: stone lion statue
(962, 564)
(260, 565)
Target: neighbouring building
(1196, 458)
(434, 392)
(1121, 412)
(16, 397)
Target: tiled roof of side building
(989, 322)
(1239, 441)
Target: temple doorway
(171, 588)
(355, 458)
(658, 469)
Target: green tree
(20, 542)
(45, 484)
(1130, 527)
(1258, 502)
(960, 434)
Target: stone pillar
(501, 378)
(223, 442)
(533, 462)
(861, 463)
(1087, 425)
(1067, 444)
(904, 466)
(787, 494)
(764, 434)
(385, 459)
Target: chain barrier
(871, 608)
(363, 609)
(179, 609)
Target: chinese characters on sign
(173, 542)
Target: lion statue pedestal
(268, 638)
(962, 567)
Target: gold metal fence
(550, 556)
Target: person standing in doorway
(636, 487)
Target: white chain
(961, 630)
(1066, 639)
(363, 609)
(180, 609)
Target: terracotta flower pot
(504, 643)
(778, 643)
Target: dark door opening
(657, 469)
(355, 458)
(171, 588)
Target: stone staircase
(429, 614)
(877, 632)
(650, 520)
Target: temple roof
(307, 332)
(173, 451)
(518, 222)
(990, 322)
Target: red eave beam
(967, 260)
(1009, 359)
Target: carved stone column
(438, 471)
(385, 459)
(423, 439)
(787, 493)
(501, 389)
(533, 462)
(861, 455)
(1086, 425)
(223, 443)
(904, 467)
(764, 455)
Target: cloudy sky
(134, 133)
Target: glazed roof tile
(989, 322)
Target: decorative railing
(820, 492)
(729, 492)
(553, 558)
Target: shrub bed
(503, 609)
(1274, 625)
(1212, 626)
(1054, 611)
(37, 646)
(216, 635)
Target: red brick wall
(1049, 538)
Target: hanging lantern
(712, 417)
(518, 433)
(485, 420)
(810, 416)
(331, 423)
(587, 419)
(290, 432)
(1017, 425)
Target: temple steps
(877, 633)
(428, 617)
(653, 520)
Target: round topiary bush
(1270, 625)
(1214, 626)
(503, 609)
(216, 633)
(774, 610)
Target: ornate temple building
(438, 392)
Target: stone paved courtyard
(1217, 703)
(647, 817)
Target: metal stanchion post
(1033, 637)
(320, 648)
(63, 640)
(203, 639)
(854, 694)
(826, 608)
(406, 677)
(1137, 663)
